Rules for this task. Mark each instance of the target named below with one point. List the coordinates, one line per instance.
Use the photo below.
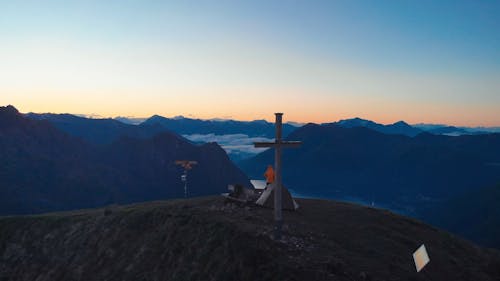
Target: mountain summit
(398, 128)
(9, 109)
(206, 239)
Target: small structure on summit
(266, 199)
(187, 165)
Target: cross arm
(291, 143)
(274, 144)
(264, 144)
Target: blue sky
(421, 61)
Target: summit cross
(278, 144)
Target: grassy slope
(204, 239)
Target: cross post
(278, 144)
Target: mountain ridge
(397, 128)
(349, 157)
(184, 126)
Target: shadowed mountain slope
(203, 239)
(391, 169)
(44, 169)
(474, 215)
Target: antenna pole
(185, 184)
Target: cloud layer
(232, 143)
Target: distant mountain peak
(401, 123)
(9, 109)
(355, 119)
(260, 121)
(9, 116)
(155, 118)
(130, 120)
(398, 128)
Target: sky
(316, 61)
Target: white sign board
(421, 258)
(258, 184)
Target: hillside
(204, 239)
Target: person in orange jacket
(269, 175)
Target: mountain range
(384, 167)
(403, 128)
(235, 137)
(45, 169)
(62, 161)
(102, 131)
(398, 128)
(106, 130)
(187, 126)
(407, 174)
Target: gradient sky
(317, 61)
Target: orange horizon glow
(434, 115)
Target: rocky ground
(209, 239)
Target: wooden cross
(278, 144)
